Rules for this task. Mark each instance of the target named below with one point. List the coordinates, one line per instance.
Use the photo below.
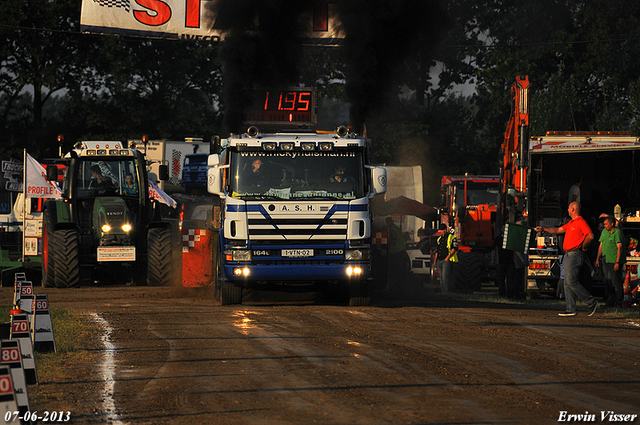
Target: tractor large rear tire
(66, 244)
(467, 272)
(159, 257)
(48, 252)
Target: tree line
(581, 58)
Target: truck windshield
(195, 160)
(478, 193)
(293, 175)
(99, 177)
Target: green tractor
(105, 218)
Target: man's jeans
(615, 277)
(572, 287)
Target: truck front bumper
(239, 273)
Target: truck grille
(323, 228)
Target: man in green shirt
(611, 250)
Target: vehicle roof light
(269, 146)
(325, 146)
(287, 146)
(308, 146)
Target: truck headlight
(238, 255)
(356, 254)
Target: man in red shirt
(577, 236)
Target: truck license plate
(117, 253)
(297, 252)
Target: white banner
(156, 193)
(188, 19)
(37, 185)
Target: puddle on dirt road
(243, 321)
(107, 371)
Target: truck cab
(469, 206)
(295, 209)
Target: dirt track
(179, 357)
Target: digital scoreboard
(295, 106)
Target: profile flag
(36, 183)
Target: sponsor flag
(156, 193)
(11, 176)
(37, 185)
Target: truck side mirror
(213, 160)
(163, 172)
(52, 173)
(214, 181)
(378, 180)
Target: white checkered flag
(115, 3)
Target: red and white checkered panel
(190, 237)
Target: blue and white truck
(295, 209)
(194, 172)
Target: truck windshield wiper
(264, 197)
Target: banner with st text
(191, 19)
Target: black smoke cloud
(262, 47)
(379, 36)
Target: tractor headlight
(105, 228)
(126, 228)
